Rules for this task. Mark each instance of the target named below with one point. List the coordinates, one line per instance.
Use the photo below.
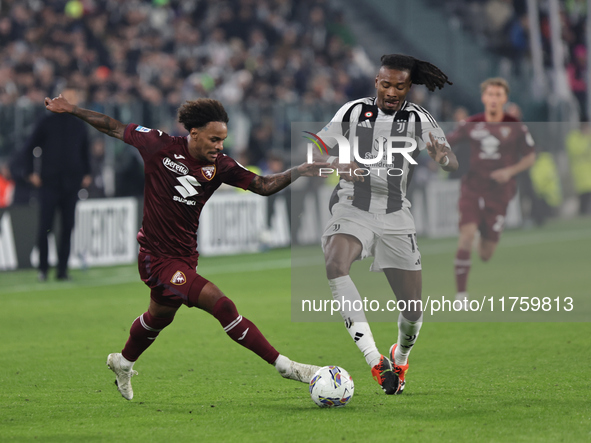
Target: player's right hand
(312, 169)
(347, 171)
(58, 104)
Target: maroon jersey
(492, 146)
(176, 188)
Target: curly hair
(421, 73)
(198, 113)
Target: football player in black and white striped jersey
(370, 211)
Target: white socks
(408, 331)
(282, 364)
(344, 291)
(125, 364)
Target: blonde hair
(496, 81)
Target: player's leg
(398, 256)
(212, 300)
(238, 328)
(340, 251)
(471, 206)
(487, 248)
(146, 328)
(463, 263)
(492, 227)
(160, 313)
(407, 286)
(68, 215)
(48, 201)
(142, 334)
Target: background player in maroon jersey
(181, 173)
(500, 148)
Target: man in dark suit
(61, 143)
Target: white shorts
(390, 238)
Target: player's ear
(194, 133)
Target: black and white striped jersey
(384, 189)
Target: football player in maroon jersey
(500, 148)
(181, 173)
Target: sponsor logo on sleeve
(178, 278)
(142, 129)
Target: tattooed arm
(270, 184)
(102, 122)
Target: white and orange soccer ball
(331, 386)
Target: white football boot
(294, 370)
(123, 380)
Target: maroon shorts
(173, 281)
(484, 210)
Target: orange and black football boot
(398, 370)
(383, 374)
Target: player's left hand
(58, 104)
(313, 169)
(501, 175)
(436, 149)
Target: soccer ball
(331, 386)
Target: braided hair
(421, 73)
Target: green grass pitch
(468, 381)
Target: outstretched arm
(101, 122)
(270, 184)
(442, 154)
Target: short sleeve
(147, 141)
(234, 174)
(428, 125)
(335, 125)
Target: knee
(485, 255)
(224, 309)
(414, 307)
(412, 314)
(224, 304)
(336, 268)
(485, 251)
(465, 241)
(157, 323)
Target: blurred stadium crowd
(165, 52)
(270, 62)
(139, 60)
(502, 26)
